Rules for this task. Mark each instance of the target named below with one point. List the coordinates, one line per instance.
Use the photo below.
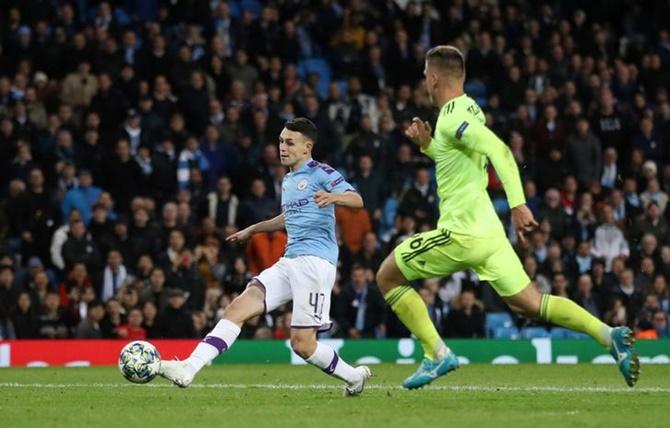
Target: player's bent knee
(385, 277)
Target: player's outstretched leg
(411, 310)
(566, 313)
(304, 343)
(248, 305)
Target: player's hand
(419, 132)
(241, 236)
(523, 221)
(323, 198)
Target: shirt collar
(307, 165)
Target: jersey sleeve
(430, 151)
(332, 181)
(477, 137)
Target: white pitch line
(452, 388)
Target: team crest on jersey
(302, 185)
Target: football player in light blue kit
(306, 273)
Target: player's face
(293, 148)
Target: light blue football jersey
(310, 229)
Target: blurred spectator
(585, 296)
(154, 290)
(466, 318)
(370, 185)
(114, 317)
(265, 249)
(7, 331)
(133, 330)
(609, 242)
(7, 296)
(80, 247)
(25, 318)
(82, 197)
(52, 323)
(654, 194)
(652, 223)
(584, 155)
(89, 327)
(554, 212)
(610, 171)
(258, 206)
(354, 224)
(174, 320)
(114, 275)
(420, 201)
(661, 324)
(362, 307)
(150, 323)
(79, 87)
(222, 205)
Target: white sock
(441, 350)
(219, 340)
(606, 334)
(330, 363)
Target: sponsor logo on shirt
(292, 207)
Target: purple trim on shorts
(333, 364)
(216, 342)
(320, 327)
(265, 293)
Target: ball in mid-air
(139, 361)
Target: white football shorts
(308, 281)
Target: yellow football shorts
(439, 253)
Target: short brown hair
(448, 59)
(304, 126)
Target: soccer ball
(139, 361)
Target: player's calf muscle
(303, 342)
(245, 306)
(526, 302)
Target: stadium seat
(496, 320)
(254, 6)
(500, 205)
(344, 86)
(534, 332)
(235, 10)
(506, 333)
(559, 333)
(320, 67)
(576, 335)
(477, 90)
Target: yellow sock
(568, 314)
(411, 310)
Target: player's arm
(479, 138)
(349, 198)
(336, 190)
(271, 225)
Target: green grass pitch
(280, 395)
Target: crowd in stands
(136, 135)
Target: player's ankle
(441, 350)
(192, 366)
